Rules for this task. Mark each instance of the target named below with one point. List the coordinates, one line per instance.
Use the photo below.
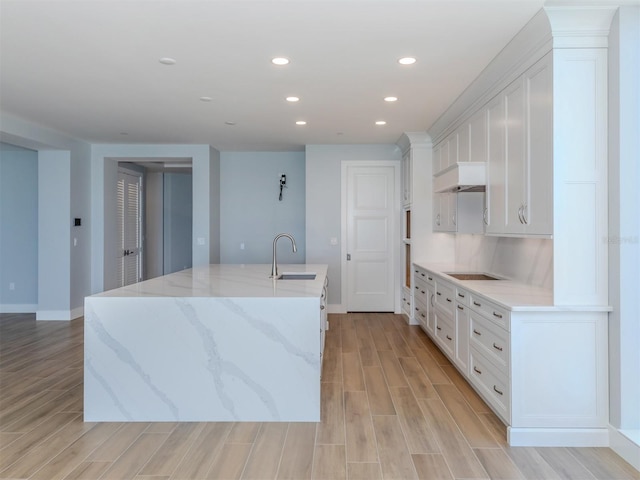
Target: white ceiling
(90, 68)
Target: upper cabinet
(520, 183)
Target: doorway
(129, 211)
(370, 232)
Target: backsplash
(526, 260)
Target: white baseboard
(627, 446)
(558, 437)
(18, 307)
(337, 308)
(62, 315)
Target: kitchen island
(212, 343)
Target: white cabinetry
(520, 155)
(458, 212)
(542, 371)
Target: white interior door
(370, 199)
(129, 256)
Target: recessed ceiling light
(381, 122)
(205, 99)
(301, 122)
(390, 99)
(293, 99)
(229, 123)
(279, 61)
(407, 61)
(167, 61)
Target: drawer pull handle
(477, 332)
(449, 338)
(475, 369)
(422, 274)
(476, 304)
(497, 391)
(430, 278)
(417, 287)
(448, 300)
(423, 292)
(461, 295)
(497, 347)
(439, 328)
(417, 309)
(439, 294)
(423, 315)
(460, 307)
(497, 315)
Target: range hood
(461, 177)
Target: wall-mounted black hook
(283, 184)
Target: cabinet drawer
(445, 333)
(420, 289)
(423, 274)
(490, 310)
(421, 313)
(491, 340)
(492, 384)
(445, 297)
(406, 301)
(462, 296)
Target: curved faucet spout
(274, 261)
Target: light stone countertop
(509, 294)
(228, 281)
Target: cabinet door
(538, 208)
(515, 123)
(477, 137)
(463, 143)
(440, 212)
(495, 191)
(452, 158)
(431, 314)
(452, 212)
(462, 338)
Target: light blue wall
(324, 204)
(250, 212)
(18, 229)
(177, 214)
(104, 159)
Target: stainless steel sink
(471, 276)
(296, 276)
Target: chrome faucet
(274, 261)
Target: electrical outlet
(12, 286)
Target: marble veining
(158, 357)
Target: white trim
(337, 308)
(624, 446)
(557, 437)
(62, 315)
(396, 226)
(18, 307)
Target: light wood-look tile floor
(393, 407)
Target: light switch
(75, 242)
(242, 246)
(333, 241)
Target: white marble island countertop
(228, 281)
(209, 344)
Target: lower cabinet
(542, 371)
